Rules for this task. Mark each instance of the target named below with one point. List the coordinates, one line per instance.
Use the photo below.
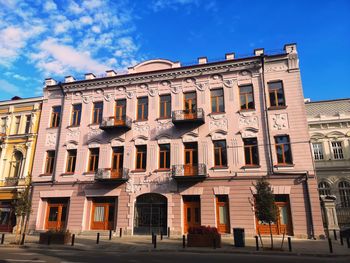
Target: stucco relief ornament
(86, 99)
(129, 94)
(201, 86)
(143, 86)
(99, 91)
(165, 83)
(78, 94)
(175, 89)
(280, 121)
(216, 77)
(73, 134)
(107, 97)
(164, 125)
(51, 139)
(248, 121)
(229, 83)
(218, 125)
(152, 92)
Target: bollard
(120, 232)
(48, 240)
(341, 239)
(348, 242)
(161, 235)
(257, 243)
(155, 241)
(335, 234)
(2, 239)
(98, 238)
(330, 245)
(214, 243)
(73, 239)
(183, 241)
(110, 234)
(152, 238)
(22, 240)
(290, 244)
(168, 232)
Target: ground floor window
(57, 213)
(103, 213)
(7, 216)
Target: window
(97, 112)
(120, 111)
(165, 107)
(16, 165)
(283, 150)
(3, 125)
(142, 109)
(55, 116)
(251, 152)
(324, 188)
(246, 97)
(276, 94)
(93, 159)
(217, 101)
(50, 160)
(71, 160)
(318, 151)
(76, 115)
(220, 153)
(337, 150)
(164, 156)
(344, 192)
(17, 124)
(141, 157)
(28, 122)
(117, 161)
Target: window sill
(247, 167)
(136, 121)
(88, 173)
(246, 110)
(277, 107)
(217, 113)
(219, 168)
(162, 170)
(67, 174)
(52, 128)
(163, 118)
(73, 126)
(43, 175)
(94, 124)
(138, 171)
(284, 165)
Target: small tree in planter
(265, 207)
(59, 237)
(203, 236)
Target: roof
(328, 107)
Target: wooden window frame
(142, 117)
(93, 159)
(17, 127)
(216, 98)
(164, 104)
(282, 145)
(99, 111)
(251, 150)
(75, 122)
(246, 94)
(55, 117)
(275, 94)
(140, 154)
(164, 152)
(28, 124)
(318, 152)
(220, 151)
(70, 160)
(50, 162)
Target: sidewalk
(129, 244)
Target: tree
(265, 207)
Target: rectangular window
(141, 157)
(217, 101)
(93, 159)
(76, 115)
(28, 122)
(165, 106)
(251, 153)
(246, 97)
(220, 153)
(120, 111)
(55, 116)
(318, 151)
(283, 150)
(3, 125)
(117, 161)
(276, 94)
(142, 109)
(17, 124)
(50, 160)
(71, 160)
(190, 102)
(164, 156)
(337, 150)
(97, 112)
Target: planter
(59, 238)
(203, 240)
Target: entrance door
(222, 214)
(190, 103)
(57, 214)
(150, 214)
(120, 111)
(117, 162)
(191, 159)
(283, 223)
(7, 216)
(102, 214)
(192, 213)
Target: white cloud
(9, 88)
(158, 5)
(91, 4)
(50, 6)
(87, 20)
(75, 8)
(12, 39)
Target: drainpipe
(267, 126)
(312, 234)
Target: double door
(192, 212)
(120, 111)
(190, 103)
(56, 214)
(191, 159)
(117, 162)
(102, 215)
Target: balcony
(189, 172)
(109, 175)
(113, 123)
(188, 116)
(13, 181)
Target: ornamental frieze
(279, 121)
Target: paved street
(64, 255)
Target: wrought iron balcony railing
(107, 174)
(185, 171)
(183, 116)
(11, 181)
(113, 122)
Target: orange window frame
(71, 161)
(75, 121)
(164, 104)
(93, 159)
(54, 117)
(140, 152)
(246, 94)
(216, 98)
(49, 162)
(96, 112)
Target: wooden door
(120, 111)
(117, 162)
(102, 216)
(192, 216)
(191, 159)
(56, 216)
(190, 103)
(222, 214)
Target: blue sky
(56, 38)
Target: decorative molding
(248, 121)
(249, 133)
(117, 142)
(218, 135)
(221, 190)
(190, 137)
(220, 124)
(279, 121)
(51, 139)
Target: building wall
(154, 78)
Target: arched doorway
(150, 214)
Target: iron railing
(188, 115)
(11, 181)
(116, 122)
(109, 174)
(184, 170)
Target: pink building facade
(166, 147)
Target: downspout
(267, 125)
(312, 234)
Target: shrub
(203, 230)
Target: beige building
(19, 121)
(329, 127)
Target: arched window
(344, 192)
(16, 164)
(324, 188)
